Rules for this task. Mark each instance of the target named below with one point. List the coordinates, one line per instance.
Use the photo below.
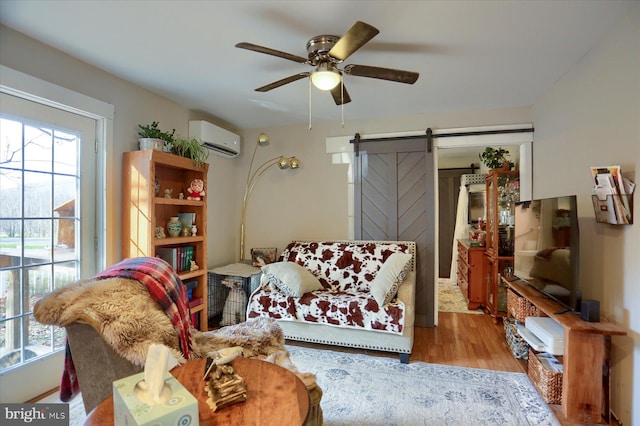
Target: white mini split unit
(216, 139)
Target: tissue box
(180, 409)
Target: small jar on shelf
(174, 226)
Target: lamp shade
(326, 77)
(294, 163)
(283, 163)
(263, 139)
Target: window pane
(65, 153)
(10, 193)
(37, 194)
(41, 337)
(37, 241)
(9, 293)
(37, 284)
(10, 239)
(65, 274)
(11, 141)
(38, 145)
(64, 195)
(10, 343)
(65, 242)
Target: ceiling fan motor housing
(318, 48)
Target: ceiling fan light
(325, 77)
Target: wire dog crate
(228, 296)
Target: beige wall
(592, 118)
(312, 202)
(133, 105)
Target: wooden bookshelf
(143, 209)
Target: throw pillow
(291, 278)
(385, 285)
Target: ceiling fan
(325, 53)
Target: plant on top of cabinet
(151, 137)
(190, 148)
(496, 158)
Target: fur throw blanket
(124, 314)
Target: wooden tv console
(587, 345)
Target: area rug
(450, 298)
(370, 390)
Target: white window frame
(24, 86)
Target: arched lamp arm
(251, 182)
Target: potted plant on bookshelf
(190, 148)
(496, 158)
(151, 137)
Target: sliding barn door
(394, 200)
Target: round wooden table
(275, 396)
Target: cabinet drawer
(463, 252)
(463, 270)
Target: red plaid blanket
(164, 287)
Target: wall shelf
(614, 209)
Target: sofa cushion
(291, 278)
(342, 266)
(385, 285)
(338, 309)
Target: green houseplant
(152, 137)
(190, 148)
(496, 158)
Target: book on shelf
(195, 302)
(178, 257)
(187, 219)
(611, 191)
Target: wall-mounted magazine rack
(613, 209)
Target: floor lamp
(283, 163)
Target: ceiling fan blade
(340, 95)
(273, 52)
(357, 36)
(282, 82)
(390, 74)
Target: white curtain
(460, 231)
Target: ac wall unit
(216, 139)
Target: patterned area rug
(368, 390)
(450, 298)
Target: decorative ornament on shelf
(196, 190)
(159, 232)
(252, 177)
(496, 158)
(174, 226)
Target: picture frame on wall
(263, 256)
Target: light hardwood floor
(465, 340)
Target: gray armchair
(97, 365)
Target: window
(40, 221)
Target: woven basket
(519, 347)
(520, 308)
(547, 382)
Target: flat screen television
(546, 248)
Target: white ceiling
(470, 54)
